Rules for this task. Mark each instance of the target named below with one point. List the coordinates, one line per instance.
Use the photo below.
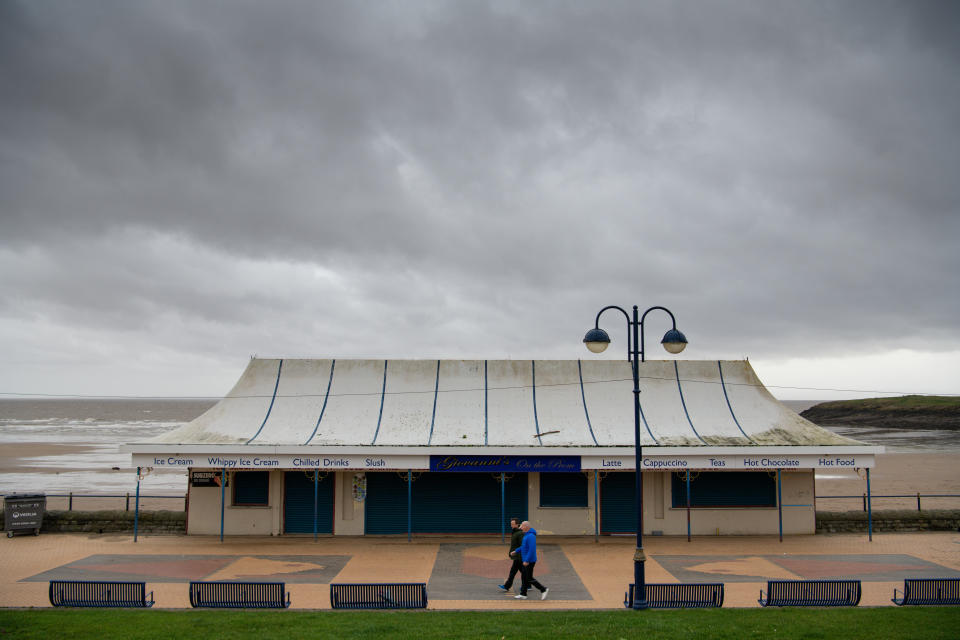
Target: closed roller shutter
(386, 503)
(442, 502)
(618, 503)
(298, 502)
(726, 489)
(563, 490)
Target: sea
(97, 427)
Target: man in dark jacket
(515, 539)
(528, 553)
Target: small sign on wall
(208, 478)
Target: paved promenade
(463, 572)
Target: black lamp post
(673, 341)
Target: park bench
(91, 593)
(239, 595)
(929, 591)
(385, 595)
(811, 593)
(679, 596)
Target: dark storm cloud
(781, 174)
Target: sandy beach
(895, 474)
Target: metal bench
(692, 595)
(811, 593)
(384, 595)
(929, 591)
(239, 595)
(92, 593)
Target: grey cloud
(784, 172)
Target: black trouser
(529, 580)
(516, 566)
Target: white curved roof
(499, 403)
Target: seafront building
(364, 447)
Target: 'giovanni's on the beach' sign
(543, 464)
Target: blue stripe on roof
(684, 402)
(333, 363)
(383, 395)
(436, 391)
(270, 408)
(536, 421)
(584, 397)
(723, 384)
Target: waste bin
(23, 512)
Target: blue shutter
(725, 489)
(386, 503)
(298, 502)
(618, 503)
(251, 488)
(563, 490)
(442, 502)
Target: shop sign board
(509, 464)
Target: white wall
(559, 520)
(204, 515)
(659, 515)
(348, 513)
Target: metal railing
(874, 498)
(125, 496)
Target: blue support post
(869, 510)
(223, 497)
(779, 505)
(503, 507)
(136, 510)
(596, 505)
(316, 482)
(409, 504)
(688, 505)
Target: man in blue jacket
(528, 553)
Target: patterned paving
(472, 572)
(184, 568)
(463, 571)
(868, 568)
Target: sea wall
(888, 521)
(173, 522)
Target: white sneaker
(543, 596)
(520, 597)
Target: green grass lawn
(929, 623)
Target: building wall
(659, 515)
(204, 515)
(349, 518)
(560, 520)
(797, 489)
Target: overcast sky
(184, 184)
